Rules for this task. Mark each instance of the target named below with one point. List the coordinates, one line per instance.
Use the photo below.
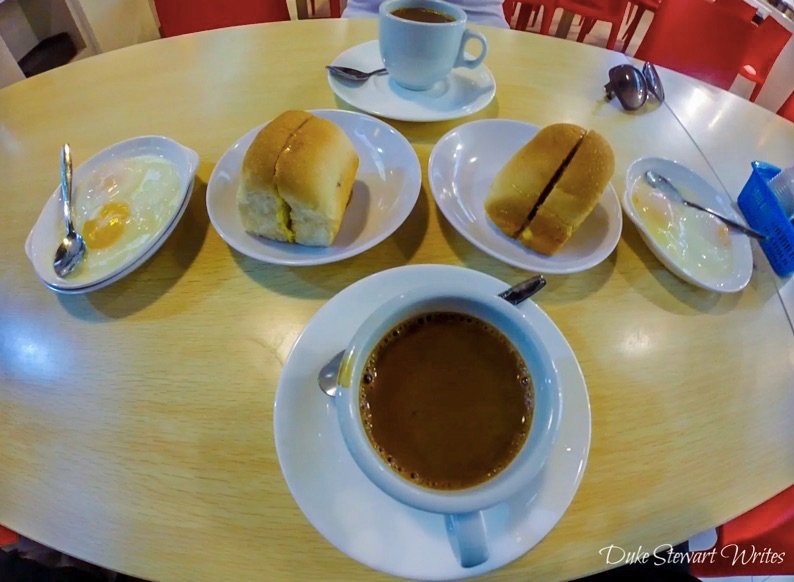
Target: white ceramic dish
(463, 92)
(357, 517)
(384, 193)
(152, 249)
(462, 167)
(47, 232)
(706, 195)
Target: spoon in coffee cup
(351, 74)
(329, 373)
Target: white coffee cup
(461, 508)
(419, 54)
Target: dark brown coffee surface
(422, 15)
(446, 400)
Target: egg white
(695, 240)
(150, 188)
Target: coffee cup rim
(386, 8)
(516, 326)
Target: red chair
(334, 6)
(769, 39)
(532, 8)
(770, 525)
(7, 536)
(740, 7)
(611, 11)
(641, 6)
(186, 16)
(697, 38)
(787, 109)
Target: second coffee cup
(421, 41)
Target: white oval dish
(706, 195)
(384, 193)
(462, 167)
(47, 232)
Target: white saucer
(348, 509)
(461, 169)
(704, 193)
(47, 233)
(384, 193)
(463, 92)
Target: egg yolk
(107, 227)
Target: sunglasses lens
(629, 86)
(653, 81)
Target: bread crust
(518, 186)
(550, 186)
(573, 197)
(315, 174)
(296, 179)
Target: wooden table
(136, 422)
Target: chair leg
(314, 9)
(545, 23)
(630, 10)
(756, 91)
(613, 35)
(535, 12)
(524, 12)
(632, 28)
(585, 28)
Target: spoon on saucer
(351, 74)
(656, 180)
(329, 373)
(72, 248)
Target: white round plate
(357, 517)
(47, 233)
(706, 195)
(463, 92)
(384, 193)
(462, 167)
(153, 248)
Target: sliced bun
(563, 187)
(315, 175)
(520, 183)
(296, 180)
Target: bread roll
(550, 186)
(519, 184)
(573, 197)
(296, 180)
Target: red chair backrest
(742, 8)
(768, 40)
(186, 16)
(698, 39)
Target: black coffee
(422, 15)
(446, 400)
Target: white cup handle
(467, 532)
(462, 61)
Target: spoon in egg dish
(72, 248)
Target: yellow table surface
(136, 421)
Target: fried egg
(120, 208)
(695, 240)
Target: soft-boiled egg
(695, 240)
(120, 207)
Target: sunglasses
(631, 86)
